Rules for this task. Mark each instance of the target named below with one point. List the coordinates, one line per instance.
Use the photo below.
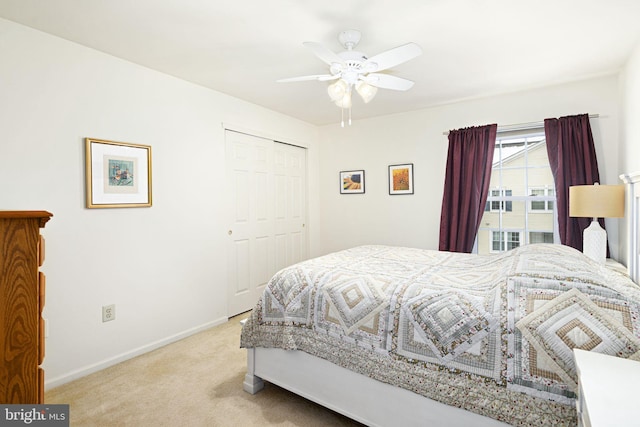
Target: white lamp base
(594, 243)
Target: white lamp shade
(345, 101)
(337, 90)
(366, 91)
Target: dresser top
(44, 216)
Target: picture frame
(352, 182)
(401, 179)
(118, 174)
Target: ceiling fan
(352, 69)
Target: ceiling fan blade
(318, 77)
(386, 81)
(392, 57)
(323, 53)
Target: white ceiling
(472, 48)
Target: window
(504, 240)
(520, 206)
(498, 202)
(542, 199)
(540, 237)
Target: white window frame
(501, 195)
(539, 232)
(530, 135)
(504, 239)
(545, 197)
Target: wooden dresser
(22, 290)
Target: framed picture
(352, 182)
(401, 179)
(118, 174)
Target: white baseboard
(79, 373)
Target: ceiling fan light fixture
(337, 90)
(352, 69)
(366, 91)
(345, 101)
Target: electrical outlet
(108, 312)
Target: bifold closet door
(266, 182)
(290, 204)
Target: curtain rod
(525, 126)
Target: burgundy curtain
(572, 157)
(466, 186)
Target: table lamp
(596, 201)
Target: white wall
(630, 128)
(417, 137)
(163, 267)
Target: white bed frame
(375, 403)
(632, 181)
(356, 396)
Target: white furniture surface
(633, 223)
(371, 402)
(607, 394)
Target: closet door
(290, 202)
(267, 209)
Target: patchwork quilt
(492, 334)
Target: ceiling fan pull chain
(349, 115)
(342, 117)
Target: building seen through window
(520, 206)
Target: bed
(405, 336)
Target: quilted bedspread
(492, 334)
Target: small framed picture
(352, 182)
(401, 179)
(118, 174)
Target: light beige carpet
(194, 382)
